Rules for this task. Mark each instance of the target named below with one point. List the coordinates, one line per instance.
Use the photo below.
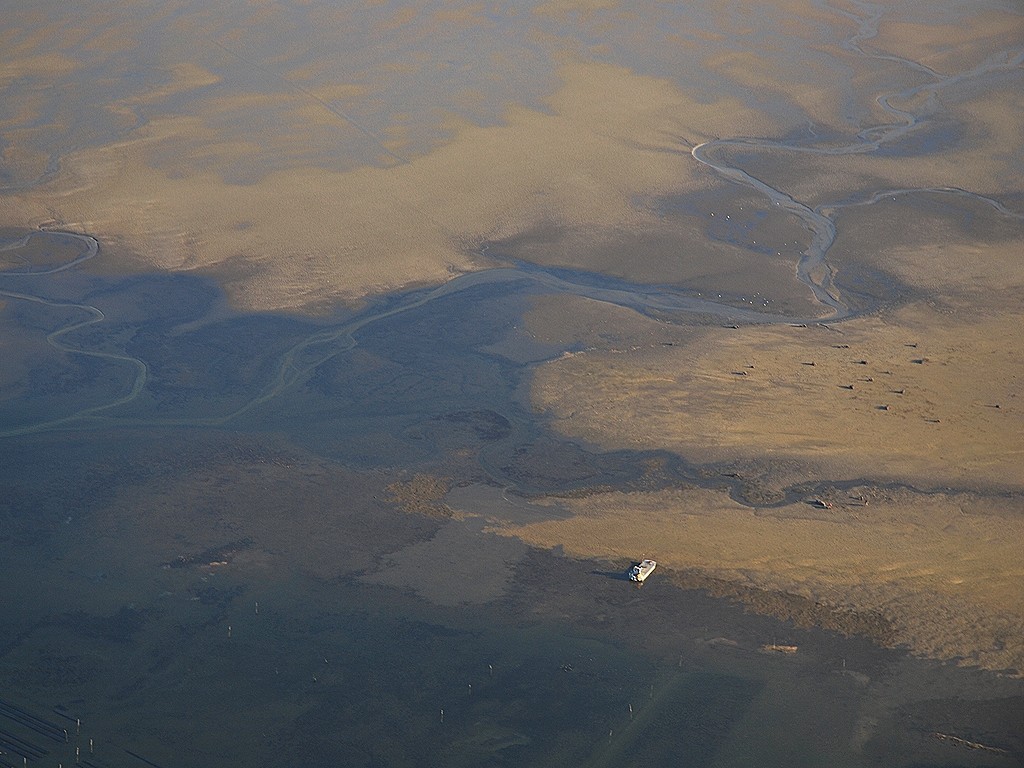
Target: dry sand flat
(943, 568)
(948, 45)
(943, 411)
(979, 131)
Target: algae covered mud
(352, 355)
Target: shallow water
(235, 665)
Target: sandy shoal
(980, 133)
(914, 395)
(945, 570)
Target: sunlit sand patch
(960, 250)
(813, 87)
(309, 224)
(861, 402)
(183, 77)
(574, 6)
(805, 88)
(925, 394)
(307, 235)
(789, 19)
(40, 65)
(945, 570)
(294, 129)
(573, 321)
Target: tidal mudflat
(350, 356)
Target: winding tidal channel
(812, 269)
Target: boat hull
(642, 570)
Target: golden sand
(980, 127)
(925, 395)
(943, 411)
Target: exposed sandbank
(944, 570)
(914, 395)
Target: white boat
(642, 570)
